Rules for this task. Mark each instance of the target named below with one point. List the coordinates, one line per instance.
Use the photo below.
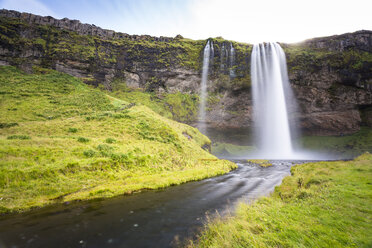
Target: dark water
(162, 218)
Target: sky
(249, 21)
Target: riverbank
(62, 140)
(323, 204)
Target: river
(158, 218)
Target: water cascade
(232, 61)
(208, 54)
(222, 57)
(271, 92)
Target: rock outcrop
(331, 77)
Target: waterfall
(208, 54)
(270, 86)
(232, 61)
(222, 56)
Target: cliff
(331, 76)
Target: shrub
(21, 137)
(6, 125)
(89, 153)
(72, 130)
(83, 140)
(110, 140)
(105, 150)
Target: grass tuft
(20, 137)
(83, 140)
(110, 140)
(72, 130)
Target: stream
(158, 218)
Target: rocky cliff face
(331, 77)
(332, 80)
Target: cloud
(273, 20)
(29, 6)
(241, 20)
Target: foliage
(21, 137)
(177, 106)
(83, 140)
(110, 140)
(302, 57)
(72, 130)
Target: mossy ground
(230, 150)
(323, 204)
(347, 145)
(61, 140)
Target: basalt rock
(331, 76)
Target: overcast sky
(241, 20)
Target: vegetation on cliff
(324, 204)
(60, 44)
(353, 63)
(178, 106)
(62, 140)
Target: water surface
(159, 218)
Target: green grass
(260, 162)
(74, 142)
(347, 145)
(178, 106)
(323, 204)
(227, 149)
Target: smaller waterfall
(211, 56)
(208, 54)
(222, 57)
(232, 61)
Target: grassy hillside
(176, 106)
(61, 140)
(324, 204)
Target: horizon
(192, 19)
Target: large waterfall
(208, 53)
(270, 97)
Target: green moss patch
(227, 149)
(260, 162)
(345, 145)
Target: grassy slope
(324, 204)
(175, 106)
(62, 140)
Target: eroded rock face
(331, 77)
